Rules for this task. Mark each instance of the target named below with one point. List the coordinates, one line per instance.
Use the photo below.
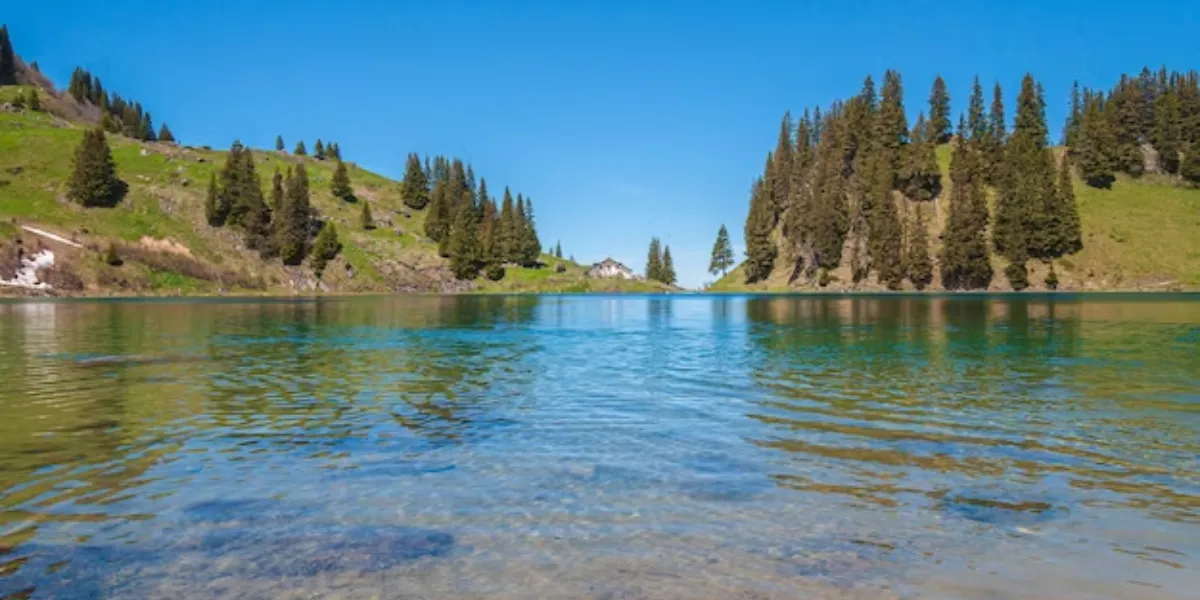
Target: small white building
(610, 269)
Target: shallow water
(602, 447)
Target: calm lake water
(602, 447)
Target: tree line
(477, 233)
(117, 115)
(659, 265)
(852, 183)
(321, 150)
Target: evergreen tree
(34, 102)
(365, 218)
(1189, 167)
(993, 143)
(760, 249)
(334, 151)
(978, 127)
(94, 179)
(489, 235)
(319, 150)
(1064, 215)
(558, 250)
(920, 267)
(1074, 117)
(507, 235)
(8, 62)
(920, 175)
(165, 135)
(146, 130)
(1125, 118)
(212, 204)
(1028, 191)
(325, 248)
(779, 171)
(279, 143)
(668, 267)
(886, 240)
(828, 220)
(722, 253)
(964, 262)
(531, 245)
(277, 194)
(437, 220)
(292, 225)
(463, 245)
(340, 185)
(891, 126)
(1095, 146)
(1167, 131)
(415, 188)
(654, 266)
(940, 127)
(299, 149)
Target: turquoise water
(602, 447)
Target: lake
(602, 447)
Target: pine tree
(277, 194)
(964, 261)
(325, 248)
(1095, 145)
(507, 235)
(977, 124)
(920, 175)
(212, 204)
(489, 235)
(165, 135)
(886, 241)
(1123, 110)
(279, 143)
(654, 265)
(414, 190)
(340, 185)
(463, 244)
(1189, 167)
(94, 179)
(760, 249)
(780, 169)
(531, 245)
(722, 253)
(828, 220)
(319, 150)
(993, 142)
(891, 126)
(916, 260)
(8, 62)
(1167, 132)
(1074, 117)
(558, 250)
(940, 127)
(146, 130)
(1027, 194)
(668, 267)
(300, 150)
(437, 220)
(334, 151)
(292, 225)
(365, 218)
(1068, 233)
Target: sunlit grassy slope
(167, 185)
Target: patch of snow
(26, 276)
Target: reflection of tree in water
(863, 395)
(323, 375)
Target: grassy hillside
(1143, 234)
(168, 247)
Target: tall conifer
(939, 112)
(340, 184)
(916, 258)
(654, 261)
(8, 62)
(722, 253)
(668, 267)
(94, 179)
(414, 190)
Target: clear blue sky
(622, 119)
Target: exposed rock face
(610, 269)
